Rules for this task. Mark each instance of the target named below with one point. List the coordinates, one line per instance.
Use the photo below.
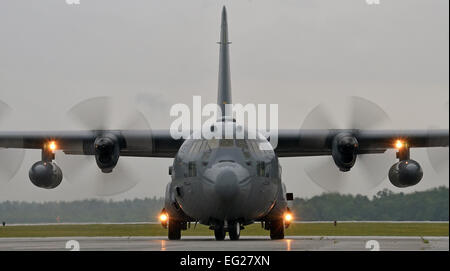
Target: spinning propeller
(439, 157)
(10, 159)
(369, 170)
(106, 113)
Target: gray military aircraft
(225, 184)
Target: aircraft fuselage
(216, 181)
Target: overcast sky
(296, 54)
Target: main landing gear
(233, 228)
(276, 228)
(174, 229)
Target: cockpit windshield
(246, 145)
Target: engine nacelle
(107, 152)
(45, 174)
(405, 173)
(344, 151)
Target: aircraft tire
(174, 230)
(219, 233)
(234, 231)
(277, 229)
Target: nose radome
(226, 185)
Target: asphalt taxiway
(193, 243)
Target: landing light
(163, 217)
(52, 146)
(399, 144)
(288, 217)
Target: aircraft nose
(226, 185)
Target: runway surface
(202, 243)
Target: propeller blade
(366, 114)
(439, 157)
(73, 166)
(320, 118)
(374, 168)
(10, 163)
(113, 183)
(10, 159)
(107, 113)
(325, 174)
(93, 113)
(5, 110)
(369, 170)
(82, 168)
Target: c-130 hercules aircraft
(225, 184)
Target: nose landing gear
(234, 230)
(175, 228)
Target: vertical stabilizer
(224, 90)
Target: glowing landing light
(399, 144)
(163, 217)
(288, 217)
(52, 146)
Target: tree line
(432, 205)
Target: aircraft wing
(159, 143)
(108, 145)
(138, 143)
(295, 143)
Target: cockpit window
(213, 143)
(253, 146)
(199, 146)
(226, 143)
(260, 168)
(248, 146)
(192, 169)
(194, 146)
(205, 146)
(241, 143)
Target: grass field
(304, 229)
